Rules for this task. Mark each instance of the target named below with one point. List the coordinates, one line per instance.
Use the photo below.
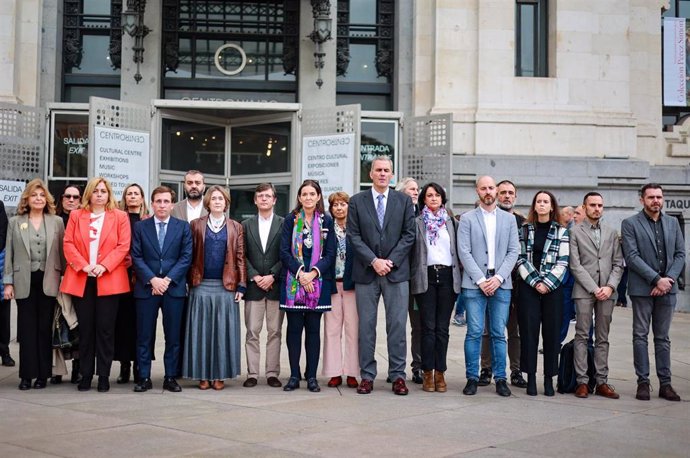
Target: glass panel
(671, 12)
(187, 145)
(377, 139)
(368, 101)
(81, 94)
(362, 12)
(242, 202)
(526, 39)
(97, 7)
(57, 186)
(70, 145)
(176, 186)
(259, 149)
(95, 59)
(683, 8)
(362, 66)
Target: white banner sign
(122, 157)
(330, 160)
(10, 192)
(675, 62)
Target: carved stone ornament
(72, 53)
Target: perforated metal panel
(328, 121)
(115, 114)
(428, 150)
(22, 142)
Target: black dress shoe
(125, 372)
(471, 388)
(103, 384)
(7, 360)
(517, 380)
(40, 383)
(25, 384)
(170, 384)
(417, 377)
(548, 386)
(502, 388)
(291, 384)
(313, 385)
(484, 377)
(388, 379)
(143, 385)
(531, 384)
(85, 384)
(274, 382)
(56, 379)
(250, 382)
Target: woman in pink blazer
(97, 242)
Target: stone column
(150, 85)
(9, 47)
(309, 94)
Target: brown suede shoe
(582, 390)
(643, 391)
(428, 383)
(606, 391)
(667, 392)
(440, 382)
(204, 384)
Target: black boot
(531, 384)
(125, 371)
(76, 377)
(548, 386)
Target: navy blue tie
(161, 235)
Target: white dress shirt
(375, 195)
(264, 229)
(193, 212)
(158, 225)
(490, 224)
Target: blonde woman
(33, 264)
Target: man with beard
(655, 254)
(596, 264)
(507, 195)
(488, 246)
(191, 208)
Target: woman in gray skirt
(218, 279)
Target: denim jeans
(460, 305)
(498, 307)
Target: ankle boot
(531, 384)
(440, 382)
(75, 377)
(428, 383)
(548, 386)
(125, 371)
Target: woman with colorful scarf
(307, 250)
(435, 282)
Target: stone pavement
(264, 421)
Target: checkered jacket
(554, 262)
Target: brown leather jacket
(234, 271)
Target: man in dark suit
(4, 304)
(381, 230)
(262, 249)
(162, 254)
(655, 254)
(596, 264)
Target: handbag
(63, 337)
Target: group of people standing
(191, 261)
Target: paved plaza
(264, 421)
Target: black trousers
(97, 316)
(415, 335)
(310, 324)
(34, 324)
(435, 308)
(537, 310)
(4, 327)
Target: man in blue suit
(488, 246)
(162, 254)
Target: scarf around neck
(295, 292)
(433, 223)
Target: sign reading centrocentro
(330, 160)
(122, 157)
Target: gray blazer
(472, 247)
(592, 267)
(179, 210)
(369, 241)
(260, 262)
(640, 253)
(18, 257)
(419, 282)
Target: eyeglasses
(71, 196)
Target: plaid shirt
(554, 262)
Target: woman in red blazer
(97, 242)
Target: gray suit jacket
(592, 267)
(639, 250)
(18, 257)
(369, 241)
(419, 282)
(179, 210)
(472, 246)
(260, 262)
